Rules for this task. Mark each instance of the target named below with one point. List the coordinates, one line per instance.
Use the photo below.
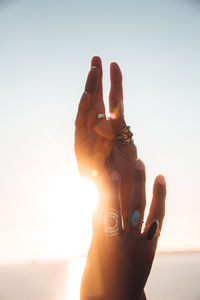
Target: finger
(100, 108)
(83, 108)
(116, 97)
(92, 80)
(96, 62)
(137, 198)
(91, 120)
(81, 131)
(85, 117)
(157, 209)
(92, 84)
(116, 91)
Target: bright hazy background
(45, 52)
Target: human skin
(118, 266)
(95, 145)
(96, 149)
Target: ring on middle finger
(125, 136)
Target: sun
(70, 202)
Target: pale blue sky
(45, 52)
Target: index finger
(82, 118)
(100, 108)
(81, 131)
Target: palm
(93, 151)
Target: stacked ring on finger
(125, 136)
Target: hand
(118, 265)
(97, 151)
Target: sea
(174, 276)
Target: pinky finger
(157, 210)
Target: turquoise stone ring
(135, 219)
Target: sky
(45, 52)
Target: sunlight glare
(76, 270)
(70, 202)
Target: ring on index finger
(99, 116)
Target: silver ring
(99, 116)
(112, 222)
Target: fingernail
(93, 67)
(153, 229)
(161, 180)
(114, 66)
(139, 165)
(135, 218)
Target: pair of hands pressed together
(117, 266)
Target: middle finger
(137, 199)
(116, 98)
